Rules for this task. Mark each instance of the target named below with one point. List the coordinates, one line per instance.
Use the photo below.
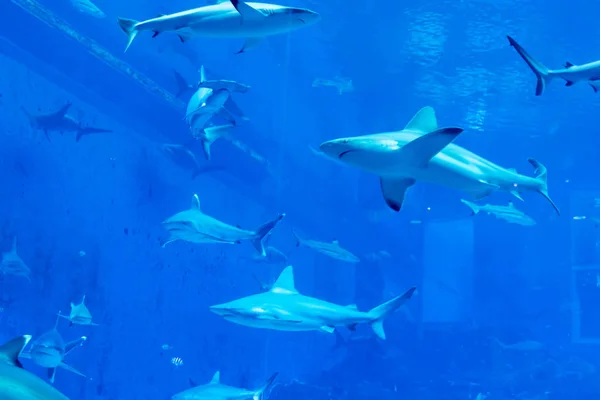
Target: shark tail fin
(129, 26)
(542, 176)
(382, 311)
(474, 207)
(258, 395)
(211, 135)
(540, 70)
(263, 232)
(182, 85)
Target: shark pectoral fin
(569, 83)
(595, 88)
(73, 344)
(246, 11)
(250, 44)
(71, 369)
(516, 194)
(327, 329)
(394, 191)
(51, 374)
(424, 148)
(184, 37)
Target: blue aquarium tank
(325, 200)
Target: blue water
(88, 214)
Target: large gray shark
(213, 98)
(60, 121)
(228, 19)
(49, 351)
(215, 390)
(283, 308)
(18, 384)
(424, 152)
(571, 73)
(192, 225)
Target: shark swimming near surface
(571, 73)
(193, 226)
(227, 19)
(49, 351)
(283, 308)
(213, 98)
(18, 384)
(216, 390)
(60, 121)
(424, 152)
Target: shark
(571, 73)
(213, 98)
(228, 19)
(60, 121)
(509, 213)
(13, 264)
(18, 384)
(216, 390)
(283, 308)
(424, 152)
(194, 226)
(49, 351)
(79, 315)
(332, 249)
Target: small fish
(176, 361)
(166, 347)
(333, 249)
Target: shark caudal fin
(262, 233)
(540, 70)
(474, 207)
(210, 135)
(258, 395)
(381, 312)
(129, 26)
(542, 176)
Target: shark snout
(337, 148)
(220, 309)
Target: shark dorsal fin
(568, 64)
(285, 282)
(423, 121)
(336, 242)
(511, 204)
(352, 306)
(9, 351)
(195, 202)
(216, 378)
(83, 300)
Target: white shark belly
(278, 325)
(46, 359)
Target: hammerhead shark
(59, 121)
